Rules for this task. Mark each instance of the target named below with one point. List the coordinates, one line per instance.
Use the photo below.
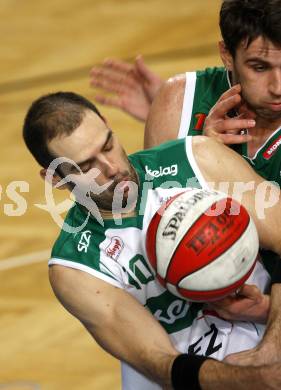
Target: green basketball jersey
(115, 253)
(203, 89)
(267, 160)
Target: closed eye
(109, 143)
(85, 166)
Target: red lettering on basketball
(202, 251)
(207, 239)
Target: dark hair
(249, 19)
(52, 115)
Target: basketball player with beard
(99, 270)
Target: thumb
(252, 292)
(143, 69)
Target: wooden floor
(48, 46)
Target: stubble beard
(261, 112)
(104, 201)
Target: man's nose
(108, 167)
(275, 82)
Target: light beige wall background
(48, 46)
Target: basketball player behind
(251, 53)
(101, 275)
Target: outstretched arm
(262, 365)
(126, 330)
(218, 376)
(269, 349)
(219, 165)
(266, 358)
(132, 87)
(120, 324)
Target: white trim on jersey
(263, 145)
(228, 78)
(187, 106)
(85, 268)
(193, 163)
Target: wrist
(185, 371)
(274, 314)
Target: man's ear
(53, 180)
(226, 57)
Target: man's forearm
(215, 375)
(272, 338)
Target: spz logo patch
(84, 241)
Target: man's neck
(264, 126)
(260, 133)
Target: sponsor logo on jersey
(115, 247)
(84, 241)
(272, 149)
(176, 310)
(163, 171)
(173, 313)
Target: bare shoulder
(68, 280)
(60, 276)
(172, 92)
(70, 284)
(75, 290)
(165, 114)
(64, 281)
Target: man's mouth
(275, 106)
(124, 184)
(120, 183)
